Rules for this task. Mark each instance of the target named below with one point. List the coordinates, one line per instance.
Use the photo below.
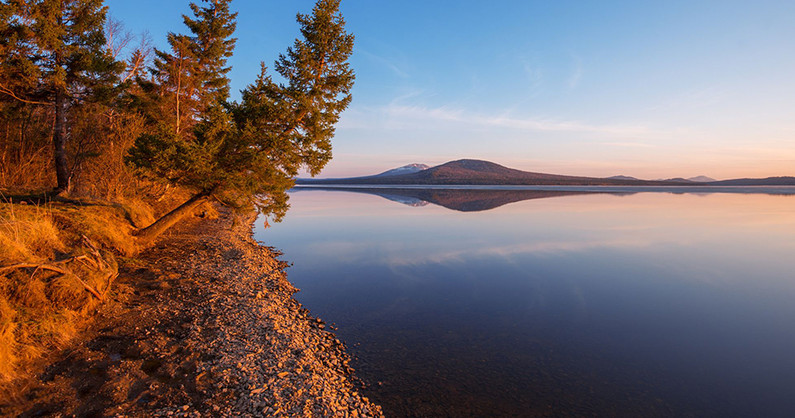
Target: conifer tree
(18, 71)
(248, 153)
(192, 76)
(59, 47)
(172, 89)
(212, 45)
(299, 117)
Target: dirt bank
(208, 326)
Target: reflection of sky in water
(650, 303)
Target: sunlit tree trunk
(147, 235)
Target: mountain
(406, 169)
(697, 179)
(701, 179)
(769, 181)
(479, 172)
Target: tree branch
(63, 271)
(31, 265)
(5, 90)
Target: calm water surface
(649, 304)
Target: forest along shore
(209, 327)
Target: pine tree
(212, 45)
(248, 153)
(173, 90)
(299, 117)
(192, 76)
(18, 71)
(59, 51)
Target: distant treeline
(89, 109)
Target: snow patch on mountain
(406, 169)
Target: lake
(554, 302)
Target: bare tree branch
(139, 57)
(117, 37)
(9, 92)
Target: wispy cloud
(693, 99)
(388, 63)
(535, 77)
(629, 144)
(413, 114)
(409, 94)
(576, 75)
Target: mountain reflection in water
(463, 200)
(481, 198)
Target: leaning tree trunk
(59, 143)
(147, 235)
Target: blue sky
(644, 88)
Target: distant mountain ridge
(697, 179)
(479, 172)
(701, 179)
(406, 169)
(769, 181)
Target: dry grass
(30, 172)
(105, 224)
(54, 261)
(62, 267)
(27, 234)
(8, 341)
(138, 212)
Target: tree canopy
(245, 154)
(54, 54)
(67, 97)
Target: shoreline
(677, 189)
(205, 324)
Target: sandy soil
(208, 327)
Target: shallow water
(580, 302)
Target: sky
(649, 89)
